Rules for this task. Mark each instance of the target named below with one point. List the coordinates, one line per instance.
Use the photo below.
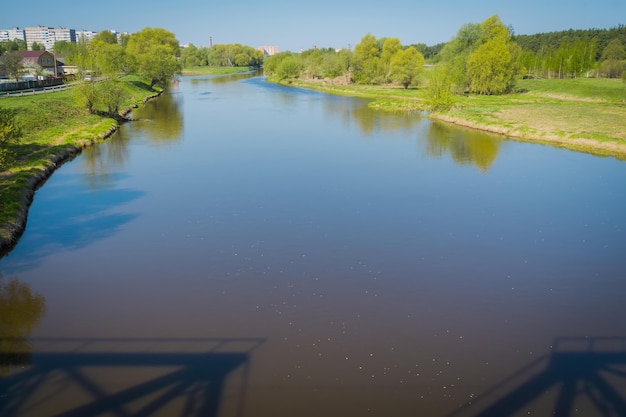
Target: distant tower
(210, 41)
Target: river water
(248, 249)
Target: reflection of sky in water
(393, 266)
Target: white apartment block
(7, 35)
(47, 36)
(63, 34)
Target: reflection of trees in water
(464, 146)
(367, 119)
(220, 79)
(100, 160)
(161, 118)
(370, 121)
(20, 311)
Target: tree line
(221, 55)
(575, 53)
(483, 58)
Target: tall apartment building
(39, 34)
(47, 36)
(11, 34)
(63, 34)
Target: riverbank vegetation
(50, 129)
(221, 55)
(558, 88)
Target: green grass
(214, 70)
(51, 123)
(601, 89)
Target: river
(249, 249)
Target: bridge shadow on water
(129, 378)
(581, 376)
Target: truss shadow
(129, 378)
(580, 375)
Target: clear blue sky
(294, 25)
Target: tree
(109, 94)
(406, 65)
(64, 48)
(493, 67)
(12, 65)
(613, 64)
(367, 60)
(288, 68)
(105, 36)
(85, 95)
(454, 54)
(490, 68)
(110, 59)
(155, 52)
(12, 45)
(439, 89)
(10, 133)
(37, 47)
(391, 46)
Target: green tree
(489, 68)
(155, 51)
(288, 68)
(493, 67)
(64, 48)
(109, 58)
(37, 47)
(439, 89)
(110, 95)
(191, 56)
(105, 36)
(406, 65)
(12, 45)
(11, 63)
(85, 95)
(391, 46)
(367, 60)
(10, 133)
(454, 54)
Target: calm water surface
(247, 249)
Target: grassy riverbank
(54, 129)
(584, 114)
(214, 70)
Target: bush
(10, 132)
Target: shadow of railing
(128, 377)
(580, 375)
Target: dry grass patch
(573, 120)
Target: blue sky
(294, 25)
